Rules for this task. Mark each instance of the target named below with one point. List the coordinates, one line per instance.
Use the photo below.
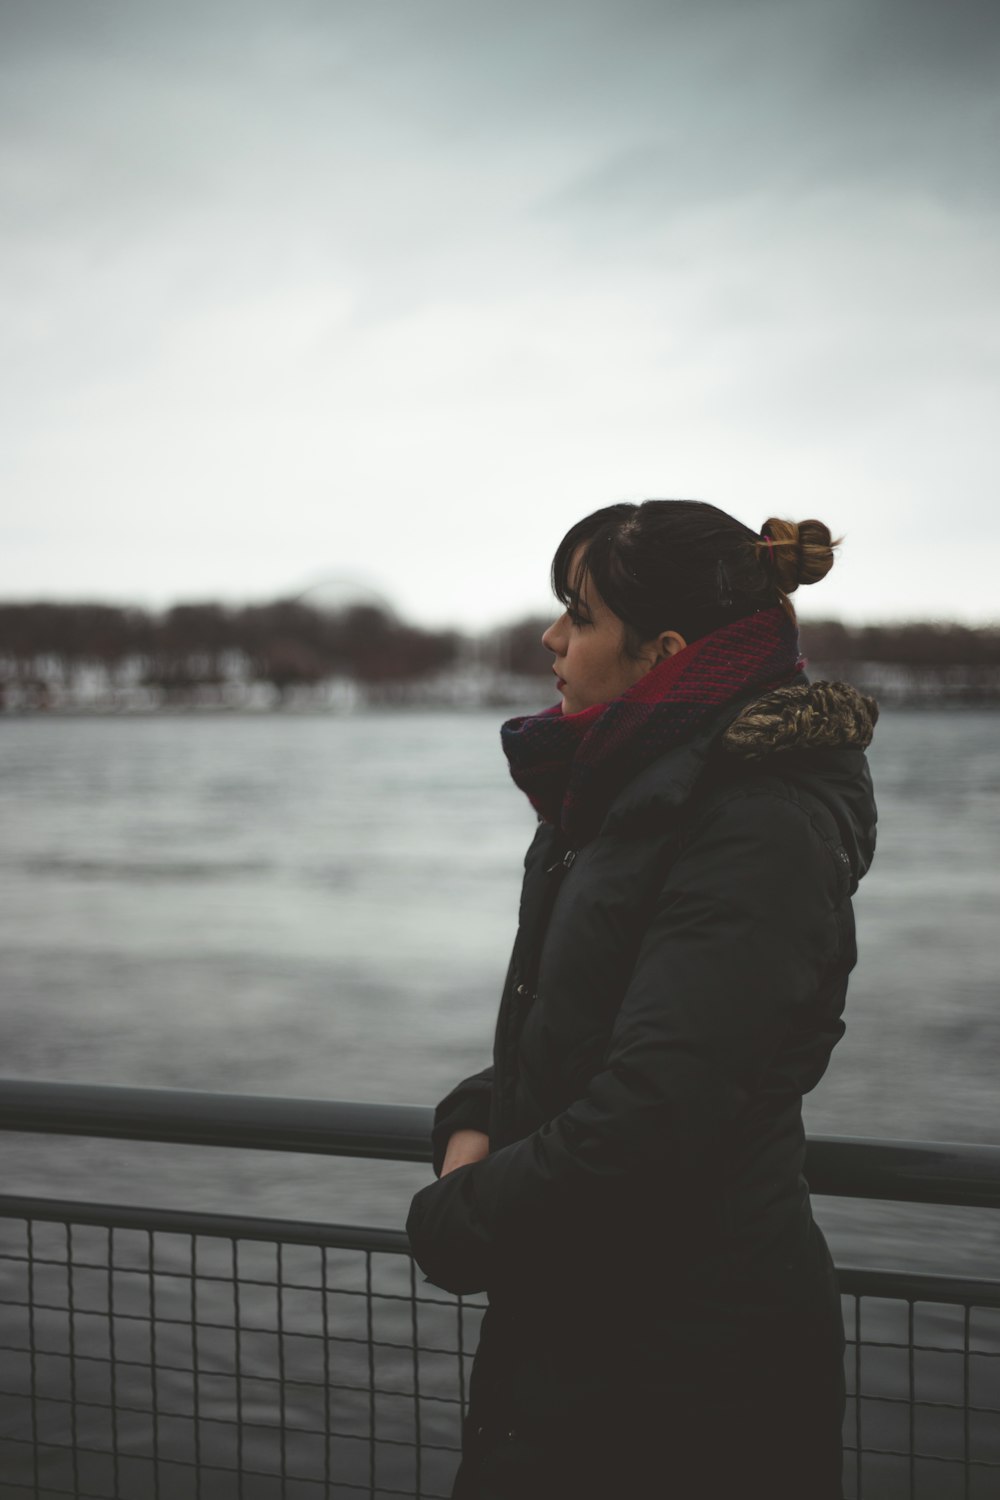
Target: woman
(625, 1181)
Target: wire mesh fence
(167, 1355)
(922, 1368)
(158, 1362)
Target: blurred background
(322, 323)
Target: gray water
(324, 907)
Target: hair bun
(802, 551)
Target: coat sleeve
(466, 1107)
(739, 940)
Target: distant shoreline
(885, 701)
(463, 689)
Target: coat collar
(815, 731)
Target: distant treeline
(282, 643)
(289, 644)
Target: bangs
(596, 559)
(568, 596)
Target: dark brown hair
(685, 565)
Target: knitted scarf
(570, 766)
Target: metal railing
(163, 1353)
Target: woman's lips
(560, 683)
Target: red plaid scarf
(570, 766)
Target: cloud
(407, 288)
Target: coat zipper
(558, 869)
(524, 993)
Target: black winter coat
(664, 1317)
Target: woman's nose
(548, 638)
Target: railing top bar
(945, 1172)
(258, 1122)
(950, 1172)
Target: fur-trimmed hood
(802, 715)
(813, 734)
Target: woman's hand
(447, 1241)
(464, 1146)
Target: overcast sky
(398, 291)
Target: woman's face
(588, 644)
